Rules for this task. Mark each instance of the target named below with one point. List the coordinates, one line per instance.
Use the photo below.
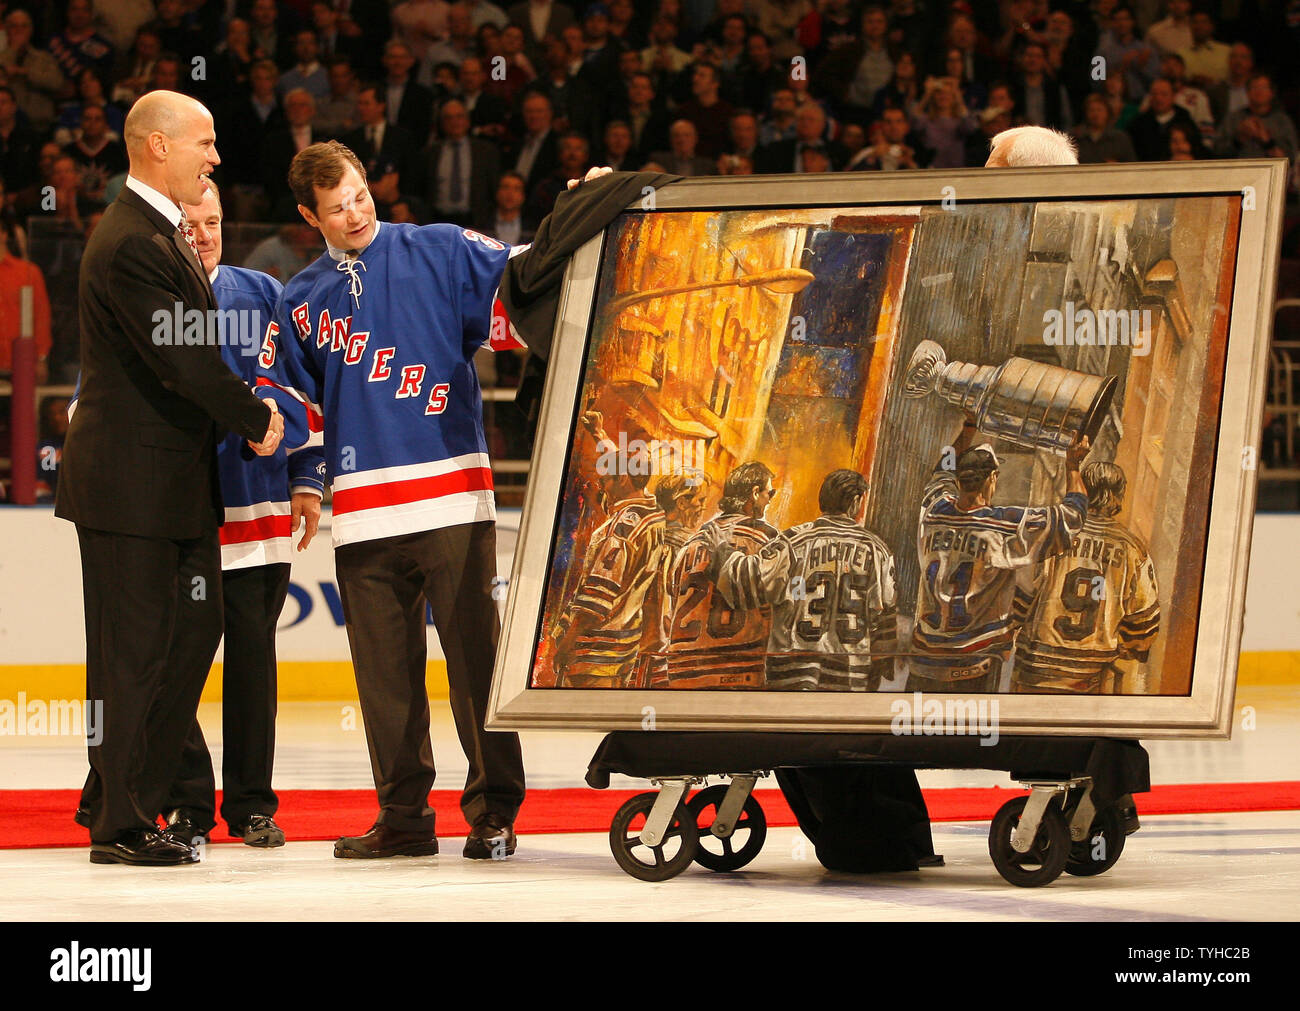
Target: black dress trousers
(254, 597)
(383, 586)
(153, 621)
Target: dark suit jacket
(1055, 100)
(576, 100)
(561, 18)
(654, 133)
(1151, 139)
(141, 451)
(836, 72)
(484, 171)
(489, 109)
(242, 162)
(543, 165)
(780, 157)
(415, 113)
(278, 150)
(699, 165)
(398, 150)
(364, 59)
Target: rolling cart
(1069, 823)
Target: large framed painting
(813, 445)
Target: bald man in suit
(139, 478)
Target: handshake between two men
(274, 432)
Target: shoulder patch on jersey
(474, 236)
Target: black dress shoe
(259, 830)
(492, 838)
(382, 841)
(184, 829)
(143, 848)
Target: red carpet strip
(38, 818)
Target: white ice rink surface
(1178, 867)
(1183, 867)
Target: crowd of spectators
(477, 114)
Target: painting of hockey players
(921, 448)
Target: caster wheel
(1047, 855)
(745, 841)
(1098, 852)
(652, 863)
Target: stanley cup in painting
(1031, 404)
(766, 487)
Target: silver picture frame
(1205, 711)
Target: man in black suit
(332, 31)
(488, 113)
(463, 170)
(809, 131)
(681, 157)
(573, 161)
(1149, 130)
(139, 478)
(645, 117)
(538, 19)
(251, 117)
(272, 39)
(535, 156)
(279, 147)
(389, 152)
(575, 104)
(367, 24)
(409, 105)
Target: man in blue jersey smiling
(265, 500)
(374, 344)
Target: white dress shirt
(539, 16)
(508, 231)
(160, 203)
(528, 152)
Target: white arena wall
(42, 643)
(42, 635)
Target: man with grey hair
(682, 158)
(1026, 146)
(1023, 147)
(282, 144)
(139, 477)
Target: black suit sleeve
(139, 292)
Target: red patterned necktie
(187, 233)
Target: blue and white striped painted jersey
(968, 563)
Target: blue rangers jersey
(968, 563)
(376, 353)
(254, 489)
